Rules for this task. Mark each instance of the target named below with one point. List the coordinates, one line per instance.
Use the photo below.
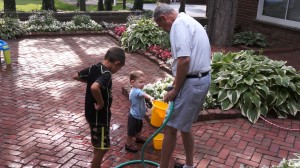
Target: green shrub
(255, 84)
(82, 22)
(81, 19)
(142, 34)
(43, 21)
(10, 28)
(251, 39)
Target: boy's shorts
(134, 126)
(100, 136)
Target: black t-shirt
(97, 73)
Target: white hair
(162, 8)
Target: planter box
(98, 16)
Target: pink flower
(120, 29)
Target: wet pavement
(42, 121)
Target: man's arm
(181, 72)
(95, 88)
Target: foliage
(106, 25)
(157, 89)
(43, 21)
(133, 19)
(255, 84)
(10, 28)
(119, 30)
(143, 34)
(290, 163)
(82, 22)
(251, 39)
(81, 19)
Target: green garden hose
(143, 161)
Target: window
(282, 12)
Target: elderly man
(190, 49)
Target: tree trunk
(182, 6)
(108, 5)
(124, 4)
(82, 5)
(138, 5)
(48, 5)
(9, 6)
(221, 16)
(164, 1)
(100, 5)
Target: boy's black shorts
(100, 136)
(134, 126)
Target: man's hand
(170, 96)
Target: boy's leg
(169, 143)
(98, 157)
(101, 143)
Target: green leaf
(260, 77)
(248, 80)
(280, 113)
(255, 99)
(263, 109)
(217, 57)
(292, 106)
(226, 104)
(253, 114)
(247, 99)
(262, 90)
(233, 96)
(222, 95)
(271, 98)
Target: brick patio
(42, 122)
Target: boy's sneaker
(140, 140)
(178, 165)
(131, 148)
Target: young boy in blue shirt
(137, 111)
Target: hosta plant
(251, 39)
(83, 23)
(10, 28)
(43, 21)
(255, 84)
(143, 34)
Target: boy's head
(137, 79)
(115, 57)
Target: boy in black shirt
(98, 99)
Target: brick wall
(276, 35)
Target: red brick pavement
(42, 122)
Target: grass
(33, 5)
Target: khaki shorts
(189, 102)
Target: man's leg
(188, 142)
(98, 156)
(168, 146)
